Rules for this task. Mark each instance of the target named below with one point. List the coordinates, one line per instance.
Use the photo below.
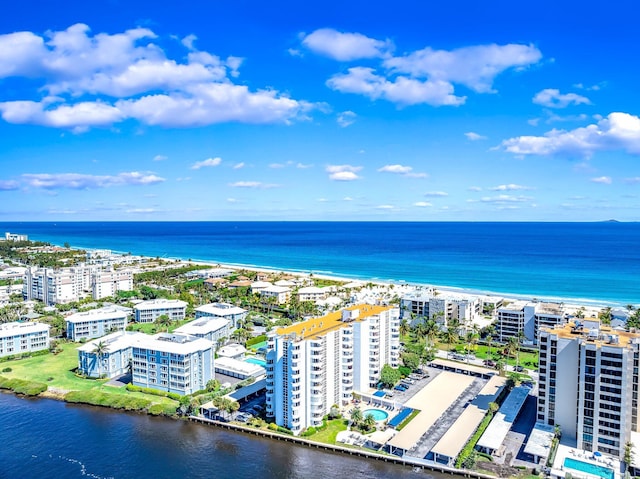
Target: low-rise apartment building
(230, 312)
(115, 359)
(588, 384)
(210, 328)
(18, 338)
(149, 311)
(320, 362)
(96, 322)
(175, 363)
(281, 294)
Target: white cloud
(533, 121)
(505, 199)
(232, 200)
(8, 185)
(343, 172)
(474, 188)
(510, 187)
(209, 162)
(402, 170)
(436, 194)
(277, 165)
(238, 166)
(347, 198)
(552, 98)
(294, 52)
(345, 46)
(618, 131)
(130, 67)
(475, 66)
(422, 204)
(188, 41)
(141, 210)
(160, 158)
(473, 136)
(605, 180)
(346, 118)
(632, 181)
(402, 90)
(385, 207)
(303, 166)
(83, 181)
(253, 185)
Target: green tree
(389, 376)
(100, 349)
(411, 360)
(163, 320)
(431, 331)
(450, 336)
(404, 327)
(356, 416)
(213, 385)
(369, 422)
(605, 315)
(628, 454)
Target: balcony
(316, 400)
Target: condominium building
(589, 384)
(96, 322)
(311, 293)
(522, 319)
(320, 362)
(15, 237)
(281, 294)
(442, 308)
(514, 319)
(107, 283)
(210, 328)
(18, 338)
(175, 363)
(233, 314)
(52, 286)
(115, 358)
(149, 311)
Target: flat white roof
(238, 366)
(97, 315)
(463, 366)
(231, 350)
(432, 401)
(501, 423)
(276, 289)
(114, 341)
(452, 442)
(220, 309)
(14, 328)
(173, 343)
(203, 326)
(311, 290)
(161, 303)
(539, 443)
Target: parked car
(518, 369)
(400, 387)
(489, 362)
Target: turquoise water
(590, 261)
(589, 468)
(378, 414)
(259, 362)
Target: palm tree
(356, 416)
(100, 349)
(431, 331)
(369, 421)
(605, 315)
(163, 320)
(451, 336)
(404, 327)
(490, 332)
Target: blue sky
(236, 110)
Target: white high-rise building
(315, 364)
(441, 308)
(589, 384)
(107, 283)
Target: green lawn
(328, 436)
(527, 360)
(153, 328)
(56, 370)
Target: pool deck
(567, 451)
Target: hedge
(105, 399)
(408, 419)
(256, 340)
(469, 447)
(21, 386)
(154, 392)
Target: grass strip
(21, 386)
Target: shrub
(310, 431)
(273, 426)
(7, 370)
(20, 386)
(256, 340)
(105, 399)
(405, 371)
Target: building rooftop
(238, 366)
(539, 442)
(231, 350)
(161, 303)
(113, 341)
(220, 309)
(8, 330)
(173, 343)
(515, 306)
(501, 423)
(203, 326)
(316, 327)
(107, 312)
(600, 335)
(556, 309)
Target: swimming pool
(259, 362)
(378, 414)
(589, 468)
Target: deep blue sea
(590, 261)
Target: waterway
(43, 438)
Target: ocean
(43, 438)
(592, 262)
